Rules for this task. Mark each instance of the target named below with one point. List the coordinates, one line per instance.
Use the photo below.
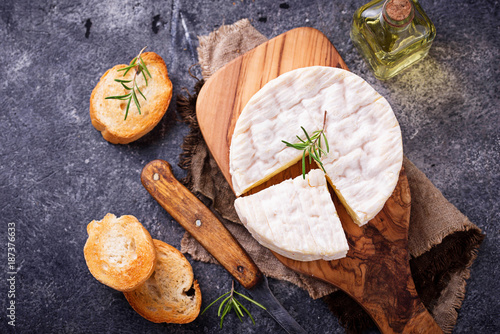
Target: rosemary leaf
(125, 86)
(215, 301)
(126, 68)
(307, 136)
(144, 66)
(250, 300)
(220, 307)
(145, 78)
(238, 310)
(322, 167)
(131, 65)
(304, 165)
(141, 93)
(124, 81)
(228, 308)
(118, 97)
(315, 157)
(136, 102)
(246, 311)
(239, 316)
(314, 153)
(319, 146)
(298, 146)
(128, 107)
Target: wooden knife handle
(199, 221)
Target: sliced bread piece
(171, 294)
(119, 252)
(108, 116)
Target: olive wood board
(376, 271)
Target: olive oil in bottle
(392, 35)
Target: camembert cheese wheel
(366, 150)
(296, 219)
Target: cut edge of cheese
(349, 210)
(264, 179)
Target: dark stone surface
(57, 173)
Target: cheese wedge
(296, 219)
(366, 150)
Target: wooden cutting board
(376, 271)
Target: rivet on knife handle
(199, 221)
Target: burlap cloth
(443, 243)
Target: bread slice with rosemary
(130, 100)
(171, 294)
(119, 252)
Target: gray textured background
(57, 173)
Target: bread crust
(119, 252)
(163, 297)
(107, 116)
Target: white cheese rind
(366, 151)
(296, 219)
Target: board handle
(422, 322)
(199, 221)
(398, 310)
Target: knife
(203, 225)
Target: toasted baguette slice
(108, 116)
(170, 294)
(119, 252)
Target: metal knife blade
(204, 226)
(263, 294)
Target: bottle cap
(398, 13)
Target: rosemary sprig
(140, 67)
(232, 303)
(312, 146)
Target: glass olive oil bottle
(391, 35)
